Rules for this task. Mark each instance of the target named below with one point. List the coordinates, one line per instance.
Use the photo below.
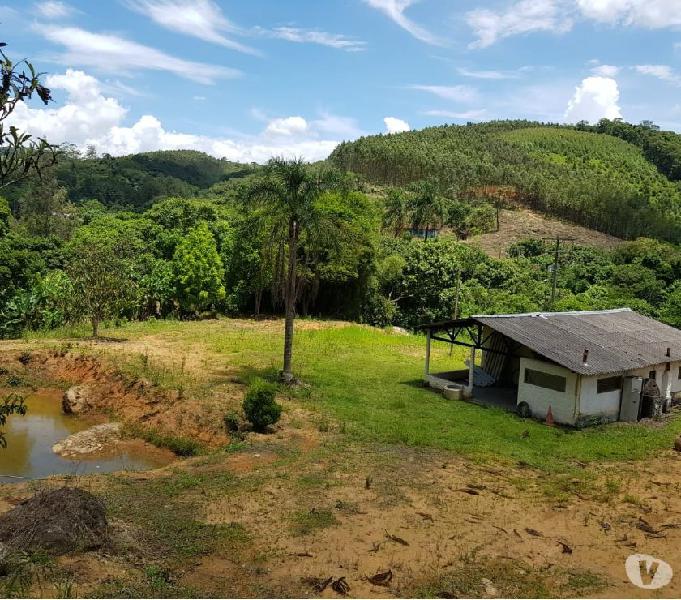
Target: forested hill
(135, 181)
(614, 177)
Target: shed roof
(617, 340)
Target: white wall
(563, 404)
(593, 404)
(669, 382)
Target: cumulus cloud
(455, 93)
(287, 126)
(395, 125)
(595, 98)
(522, 17)
(605, 70)
(202, 19)
(653, 14)
(112, 53)
(54, 9)
(88, 117)
(395, 10)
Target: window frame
(612, 384)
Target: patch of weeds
(305, 523)
(21, 571)
(165, 514)
(581, 582)
(232, 421)
(323, 425)
(347, 508)
(154, 582)
(563, 488)
(397, 405)
(634, 501)
(236, 446)
(182, 446)
(312, 480)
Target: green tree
(289, 192)
(11, 405)
(198, 270)
(5, 215)
(101, 261)
(20, 155)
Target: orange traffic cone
(549, 417)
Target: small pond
(30, 439)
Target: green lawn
(369, 381)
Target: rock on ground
(677, 444)
(76, 400)
(57, 522)
(89, 441)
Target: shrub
(259, 404)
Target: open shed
(587, 366)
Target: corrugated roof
(617, 340)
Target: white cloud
(466, 115)
(202, 19)
(495, 75)
(394, 9)
(287, 126)
(395, 125)
(54, 9)
(88, 117)
(595, 98)
(111, 53)
(339, 127)
(456, 93)
(523, 17)
(653, 14)
(311, 36)
(605, 70)
(663, 72)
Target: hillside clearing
(522, 223)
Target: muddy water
(30, 439)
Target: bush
(259, 404)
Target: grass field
(369, 381)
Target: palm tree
(288, 195)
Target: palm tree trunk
(290, 300)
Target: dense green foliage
(227, 249)
(260, 406)
(625, 185)
(135, 181)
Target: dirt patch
(522, 223)
(133, 401)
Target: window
(652, 375)
(608, 384)
(679, 372)
(545, 380)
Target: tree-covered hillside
(135, 181)
(581, 173)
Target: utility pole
(556, 265)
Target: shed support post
(471, 371)
(426, 370)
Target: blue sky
(246, 80)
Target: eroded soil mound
(58, 521)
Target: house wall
(605, 405)
(563, 404)
(668, 381)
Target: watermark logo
(648, 572)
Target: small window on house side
(545, 380)
(652, 375)
(679, 372)
(608, 384)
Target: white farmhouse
(586, 366)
